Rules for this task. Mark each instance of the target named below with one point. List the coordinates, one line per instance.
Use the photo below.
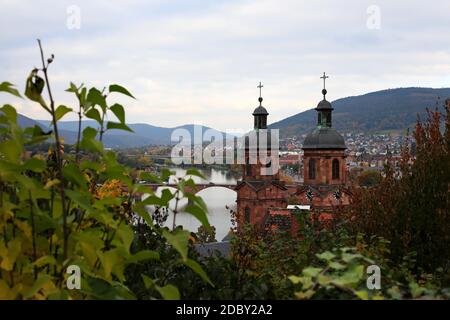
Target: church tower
(255, 169)
(260, 188)
(324, 167)
(324, 149)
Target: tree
(411, 208)
(369, 178)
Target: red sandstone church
(265, 201)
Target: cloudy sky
(199, 61)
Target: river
(216, 199)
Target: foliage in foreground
(410, 206)
(60, 212)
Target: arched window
(335, 169)
(312, 169)
(329, 119)
(247, 214)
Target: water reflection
(216, 198)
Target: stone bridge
(198, 187)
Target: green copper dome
(324, 138)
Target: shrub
(59, 210)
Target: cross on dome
(260, 86)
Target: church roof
(260, 184)
(324, 105)
(260, 110)
(324, 138)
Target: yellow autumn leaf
(6, 293)
(51, 183)
(24, 227)
(9, 255)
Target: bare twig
(77, 150)
(33, 232)
(58, 153)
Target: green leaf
(95, 97)
(196, 173)
(72, 88)
(35, 165)
(90, 242)
(112, 263)
(93, 113)
(199, 213)
(82, 199)
(45, 260)
(363, 295)
(41, 281)
(348, 257)
(89, 143)
(166, 173)
(148, 282)
(179, 240)
(126, 234)
(153, 200)
(416, 290)
(89, 133)
(336, 265)
(82, 96)
(327, 256)
(11, 149)
(143, 256)
(87, 164)
(149, 177)
(61, 111)
(8, 87)
(34, 87)
(118, 126)
(395, 293)
(166, 196)
(10, 112)
(196, 200)
(169, 292)
(72, 173)
(37, 135)
(295, 279)
(311, 271)
(51, 183)
(350, 277)
(120, 89)
(195, 266)
(305, 295)
(139, 208)
(118, 111)
(113, 290)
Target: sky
(200, 61)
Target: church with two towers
(265, 201)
